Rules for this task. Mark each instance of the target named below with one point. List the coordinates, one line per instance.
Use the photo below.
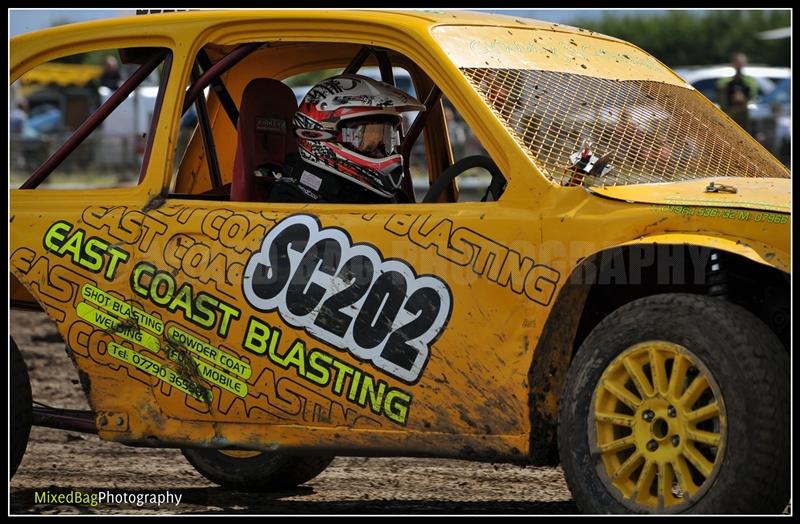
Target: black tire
(260, 473)
(748, 369)
(21, 407)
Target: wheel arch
(594, 289)
(23, 296)
(20, 297)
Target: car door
(370, 317)
(79, 221)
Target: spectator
(780, 141)
(736, 91)
(18, 116)
(111, 77)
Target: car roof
(449, 25)
(406, 18)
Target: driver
(347, 129)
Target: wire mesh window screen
(652, 132)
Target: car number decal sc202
(347, 295)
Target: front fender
(756, 251)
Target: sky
(26, 20)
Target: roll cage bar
(205, 74)
(95, 119)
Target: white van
(704, 78)
(123, 134)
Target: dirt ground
(62, 462)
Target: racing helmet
(348, 125)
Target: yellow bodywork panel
(550, 48)
(768, 194)
(172, 302)
(402, 328)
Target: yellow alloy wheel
(659, 427)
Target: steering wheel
(496, 186)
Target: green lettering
(116, 256)
(93, 259)
(274, 339)
(256, 336)
(375, 396)
(318, 373)
(395, 405)
(183, 300)
(228, 313)
(155, 296)
(136, 278)
(351, 395)
(73, 245)
(342, 370)
(208, 317)
(296, 357)
(55, 235)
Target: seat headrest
(265, 135)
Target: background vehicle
(633, 327)
(774, 89)
(57, 110)
(704, 78)
(771, 117)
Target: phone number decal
(154, 368)
(348, 296)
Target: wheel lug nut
(648, 415)
(671, 411)
(676, 440)
(652, 445)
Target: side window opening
(417, 163)
(472, 184)
(250, 163)
(56, 137)
(208, 128)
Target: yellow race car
(614, 297)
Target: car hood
(766, 194)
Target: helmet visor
(375, 137)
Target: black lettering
(357, 273)
(269, 279)
(383, 302)
(424, 303)
(302, 296)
